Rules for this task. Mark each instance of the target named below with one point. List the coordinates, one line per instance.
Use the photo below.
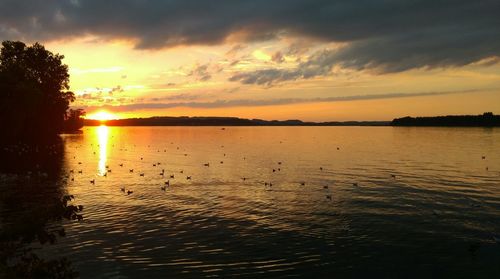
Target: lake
(282, 202)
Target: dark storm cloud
(267, 102)
(389, 35)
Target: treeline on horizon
(487, 119)
(222, 121)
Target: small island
(487, 119)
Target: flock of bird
(167, 183)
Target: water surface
(344, 201)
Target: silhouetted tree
(34, 92)
(73, 120)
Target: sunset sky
(293, 59)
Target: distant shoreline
(223, 121)
(484, 120)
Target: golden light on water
(102, 135)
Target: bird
(163, 188)
(167, 182)
(129, 192)
(188, 178)
(243, 178)
(181, 171)
(320, 168)
(172, 176)
(393, 176)
(222, 162)
(329, 197)
(92, 181)
(141, 174)
(302, 183)
(131, 170)
(484, 157)
(80, 171)
(122, 189)
(325, 187)
(154, 165)
(207, 164)
(279, 163)
(121, 165)
(274, 170)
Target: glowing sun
(102, 115)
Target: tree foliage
(34, 92)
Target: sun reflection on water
(102, 134)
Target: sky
(314, 60)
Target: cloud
(116, 89)
(388, 35)
(235, 49)
(278, 57)
(201, 72)
(266, 102)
